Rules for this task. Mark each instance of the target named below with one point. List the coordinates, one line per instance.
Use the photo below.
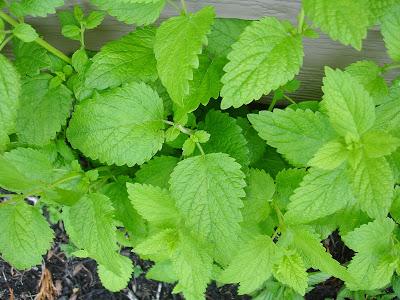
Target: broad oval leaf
(122, 126)
(274, 58)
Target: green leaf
(291, 271)
(9, 94)
(30, 58)
(188, 147)
(287, 181)
(226, 137)
(159, 246)
(373, 184)
(313, 253)
(350, 107)
(79, 60)
(132, 13)
(274, 58)
(91, 227)
(193, 266)
(25, 234)
(25, 32)
(330, 156)
(378, 143)
(259, 191)
(208, 191)
(154, 204)
(297, 134)
(252, 265)
(162, 271)
(67, 18)
(179, 41)
(373, 265)
(390, 25)
(130, 58)
(110, 125)
(124, 211)
(336, 18)
(72, 32)
(2, 31)
(378, 8)
(115, 282)
(94, 19)
(39, 100)
(320, 194)
(157, 171)
(369, 74)
(388, 114)
(25, 169)
(4, 140)
(206, 84)
(35, 8)
(255, 144)
(375, 236)
(224, 33)
(395, 208)
(272, 162)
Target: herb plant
(155, 143)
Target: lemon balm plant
(149, 144)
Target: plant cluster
(139, 145)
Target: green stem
(389, 67)
(272, 105)
(5, 42)
(180, 127)
(300, 19)
(82, 36)
(39, 41)
(289, 99)
(173, 4)
(200, 149)
(184, 7)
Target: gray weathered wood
(318, 53)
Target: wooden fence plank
(318, 53)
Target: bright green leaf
(336, 18)
(39, 100)
(130, 58)
(179, 41)
(297, 134)
(110, 125)
(208, 191)
(252, 265)
(350, 107)
(25, 234)
(274, 58)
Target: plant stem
(39, 41)
(82, 36)
(289, 99)
(389, 67)
(173, 4)
(272, 105)
(300, 19)
(200, 149)
(5, 42)
(184, 8)
(180, 127)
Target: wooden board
(318, 53)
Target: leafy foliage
(127, 147)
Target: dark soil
(74, 279)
